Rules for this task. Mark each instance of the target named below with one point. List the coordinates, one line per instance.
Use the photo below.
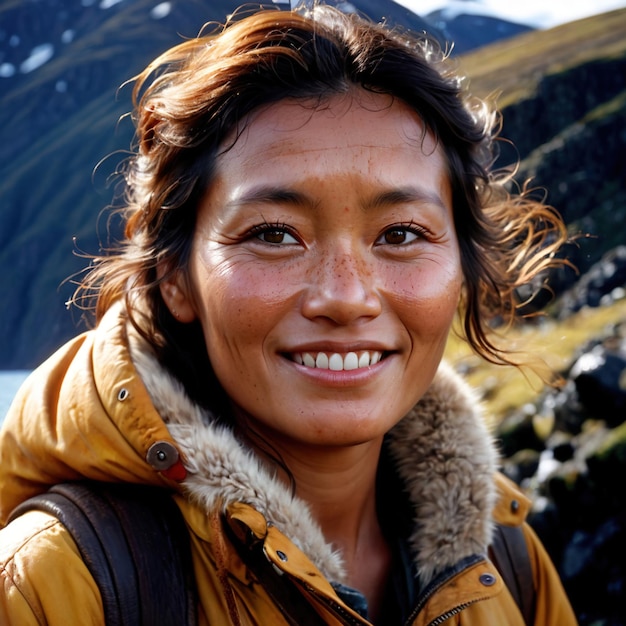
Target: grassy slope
(543, 52)
(554, 342)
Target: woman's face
(325, 269)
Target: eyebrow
(405, 195)
(265, 194)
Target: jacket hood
(82, 414)
(98, 405)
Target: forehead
(358, 121)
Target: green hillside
(514, 68)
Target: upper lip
(338, 347)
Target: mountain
(65, 132)
(471, 31)
(563, 96)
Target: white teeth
(338, 362)
(351, 362)
(335, 362)
(321, 361)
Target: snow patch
(7, 70)
(39, 55)
(534, 13)
(68, 35)
(161, 10)
(107, 4)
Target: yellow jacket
(101, 406)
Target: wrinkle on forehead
(298, 112)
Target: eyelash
(408, 227)
(281, 227)
(267, 227)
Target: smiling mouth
(336, 361)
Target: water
(10, 380)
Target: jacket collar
(443, 454)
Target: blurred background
(558, 70)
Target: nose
(342, 288)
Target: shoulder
(43, 577)
(552, 605)
(512, 505)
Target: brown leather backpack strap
(135, 544)
(509, 553)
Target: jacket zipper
(338, 609)
(348, 619)
(433, 589)
(448, 614)
(351, 621)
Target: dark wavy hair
(193, 97)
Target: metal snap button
(162, 455)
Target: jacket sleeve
(553, 607)
(43, 579)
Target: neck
(339, 485)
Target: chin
(353, 434)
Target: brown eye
(398, 236)
(395, 236)
(274, 236)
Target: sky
(535, 13)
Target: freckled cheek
(426, 301)
(241, 299)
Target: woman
(309, 206)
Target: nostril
(341, 295)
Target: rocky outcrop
(603, 283)
(581, 116)
(568, 450)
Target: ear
(174, 291)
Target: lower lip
(342, 378)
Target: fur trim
(446, 459)
(442, 449)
